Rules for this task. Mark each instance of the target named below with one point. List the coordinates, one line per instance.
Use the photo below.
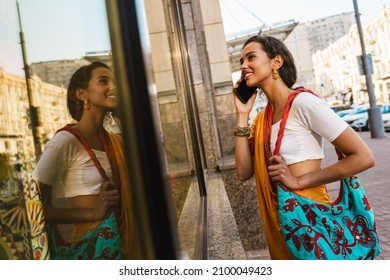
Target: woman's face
(101, 89)
(256, 67)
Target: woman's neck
(91, 125)
(277, 96)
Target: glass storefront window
(68, 35)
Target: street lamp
(33, 111)
(374, 113)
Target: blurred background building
(309, 37)
(338, 71)
(15, 134)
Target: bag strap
(77, 133)
(283, 122)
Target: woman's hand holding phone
(244, 96)
(244, 92)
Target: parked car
(386, 122)
(343, 113)
(386, 116)
(357, 118)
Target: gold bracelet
(242, 131)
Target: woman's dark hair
(273, 47)
(80, 80)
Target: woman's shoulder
(63, 140)
(307, 97)
(308, 101)
(63, 137)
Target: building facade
(324, 31)
(309, 37)
(15, 134)
(57, 72)
(337, 72)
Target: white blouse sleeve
(318, 116)
(55, 159)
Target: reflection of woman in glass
(82, 186)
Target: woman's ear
(81, 94)
(278, 61)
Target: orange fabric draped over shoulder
(125, 219)
(267, 198)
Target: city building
(101, 56)
(324, 31)
(15, 134)
(57, 72)
(338, 76)
(311, 36)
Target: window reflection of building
(102, 56)
(15, 134)
(57, 72)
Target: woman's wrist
(242, 119)
(242, 131)
(299, 181)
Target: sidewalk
(376, 184)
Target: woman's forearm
(243, 157)
(349, 166)
(358, 158)
(244, 161)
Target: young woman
(80, 175)
(267, 64)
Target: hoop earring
(275, 74)
(86, 104)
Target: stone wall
(243, 201)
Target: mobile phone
(243, 92)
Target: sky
(244, 14)
(67, 29)
(53, 30)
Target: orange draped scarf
(266, 196)
(125, 221)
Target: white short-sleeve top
(309, 122)
(67, 166)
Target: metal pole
(34, 111)
(374, 113)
